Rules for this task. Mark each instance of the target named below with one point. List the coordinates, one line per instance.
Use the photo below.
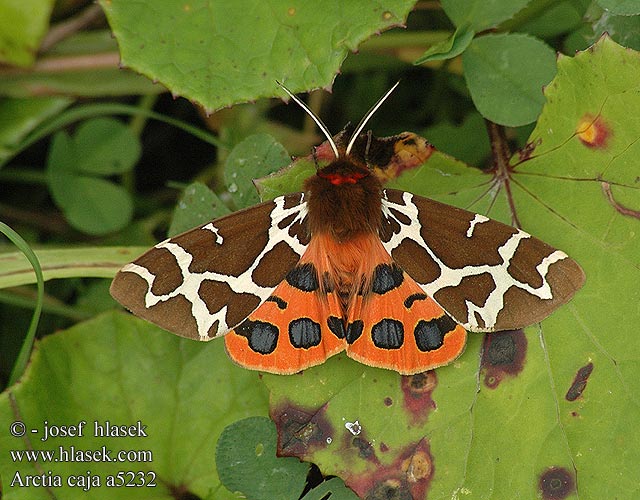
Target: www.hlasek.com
(61, 454)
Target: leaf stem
(23, 175)
(501, 153)
(402, 39)
(71, 26)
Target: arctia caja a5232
(392, 278)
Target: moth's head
(342, 146)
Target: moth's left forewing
(487, 275)
(202, 283)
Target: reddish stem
(501, 153)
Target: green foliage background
(100, 162)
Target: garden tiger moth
(391, 278)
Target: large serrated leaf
(119, 369)
(538, 417)
(215, 44)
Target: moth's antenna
(366, 118)
(318, 121)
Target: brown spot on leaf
(365, 449)
(503, 354)
(388, 401)
(556, 483)
(180, 492)
(417, 390)
(579, 382)
(301, 431)
(407, 477)
(593, 132)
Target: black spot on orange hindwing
(386, 277)
(388, 334)
(282, 304)
(430, 334)
(336, 326)
(354, 330)
(408, 302)
(303, 277)
(262, 336)
(304, 333)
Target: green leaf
(92, 205)
(21, 116)
(288, 180)
(506, 73)
(544, 19)
(449, 48)
(197, 205)
(501, 429)
(481, 14)
(475, 147)
(22, 26)
(247, 449)
(335, 487)
(299, 43)
(256, 156)
(105, 146)
(119, 369)
(625, 30)
(620, 7)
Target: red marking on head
(592, 131)
(338, 179)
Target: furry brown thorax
(344, 200)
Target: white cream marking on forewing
(478, 219)
(243, 283)
(453, 276)
(214, 230)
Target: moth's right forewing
(202, 283)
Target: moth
(393, 279)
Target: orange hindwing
(397, 326)
(297, 327)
